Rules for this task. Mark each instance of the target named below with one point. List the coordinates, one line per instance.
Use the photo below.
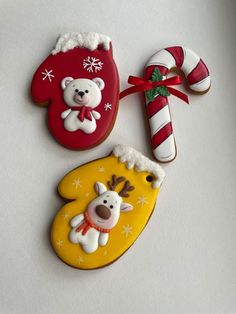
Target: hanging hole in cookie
(149, 178)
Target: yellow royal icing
(78, 187)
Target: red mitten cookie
(79, 83)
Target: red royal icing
(46, 88)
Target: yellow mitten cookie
(111, 200)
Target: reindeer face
(105, 210)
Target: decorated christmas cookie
(79, 84)
(157, 89)
(110, 200)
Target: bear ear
(66, 81)
(100, 83)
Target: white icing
(103, 239)
(100, 83)
(72, 122)
(89, 40)
(126, 207)
(65, 113)
(159, 119)
(100, 188)
(91, 240)
(202, 85)
(166, 151)
(163, 58)
(107, 106)
(96, 115)
(47, 75)
(191, 60)
(76, 220)
(91, 91)
(91, 97)
(88, 242)
(133, 158)
(92, 64)
(66, 81)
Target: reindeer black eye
(111, 206)
(149, 178)
(105, 202)
(86, 91)
(76, 90)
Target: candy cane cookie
(158, 113)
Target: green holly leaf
(156, 75)
(163, 91)
(150, 95)
(159, 90)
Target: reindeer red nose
(103, 212)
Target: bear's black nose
(81, 94)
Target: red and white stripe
(198, 79)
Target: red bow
(140, 85)
(84, 112)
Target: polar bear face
(82, 92)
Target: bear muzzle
(81, 98)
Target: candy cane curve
(158, 113)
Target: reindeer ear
(100, 188)
(126, 207)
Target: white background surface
(185, 260)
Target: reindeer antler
(115, 181)
(127, 187)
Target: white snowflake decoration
(65, 216)
(101, 169)
(92, 64)
(47, 74)
(59, 243)
(77, 183)
(107, 106)
(80, 260)
(142, 200)
(127, 230)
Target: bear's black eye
(76, 90)
(86, 91)
(105, 202)
(111, 206)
